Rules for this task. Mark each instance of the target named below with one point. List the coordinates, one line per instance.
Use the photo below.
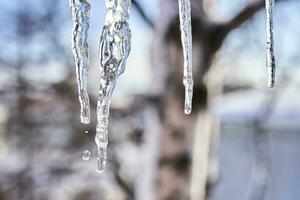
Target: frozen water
(81, 18)
(270, 44)
(186, 38)
(115, 45)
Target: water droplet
(86, 155)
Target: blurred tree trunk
(173, 179)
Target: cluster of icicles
(115, 45)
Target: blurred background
(242, 140)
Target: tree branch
(245, 14)
(142, 13)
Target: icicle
(186, 38)
(270, 44)
(114, 51)
(81, 17)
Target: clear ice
(270, 44)
(186, 39)
(81, 18)
(115, 45)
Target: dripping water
(81, 18)
(86, 155)
(186, 39)
(114, 48)
(270, 44)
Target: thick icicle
(115, 47)
(270, 44)
(186, 38)
(81, 17)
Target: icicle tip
(187, 110)
(100, 171)
(101, 166)
(85, 112)
(271, 84)
(84, 120)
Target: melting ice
(186, 38)
(115, 47)
(270, 44)
(81, 18)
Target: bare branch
(245, 14)
(142, 13)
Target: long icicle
(186, 38)
(81, 18)
(115, 45)
(270, 44)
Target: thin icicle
(115, 47)
(270, 44)
(81, 18)
(186, 39)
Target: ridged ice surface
(81, 18)
(270, 44)
(186, 38)
(115, 47)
